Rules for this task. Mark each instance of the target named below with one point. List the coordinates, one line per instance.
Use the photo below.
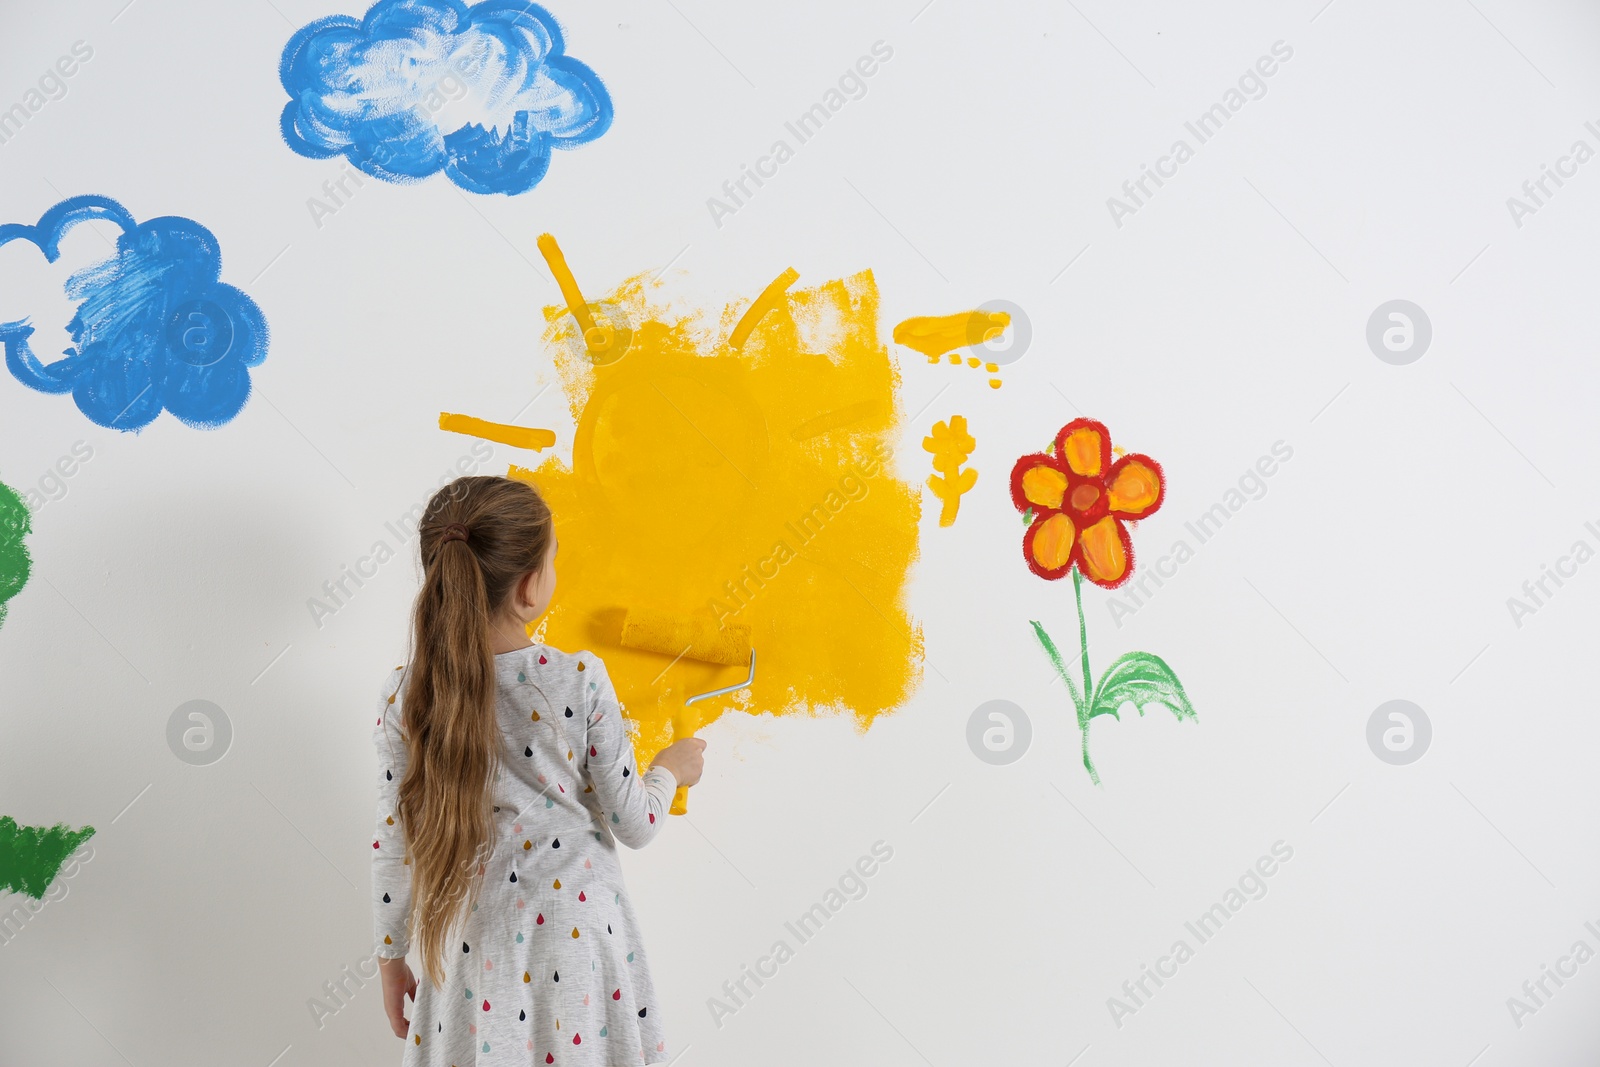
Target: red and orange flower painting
(1080, 501)
(1077, 502)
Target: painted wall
(1327, 266)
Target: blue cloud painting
(482, 93)
(155, 329)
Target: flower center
(1083, 497)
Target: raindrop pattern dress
(549, 968)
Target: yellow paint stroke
(603, 341)
(950, 445)
(839, 417)
(503, 433)
(688, 493)
(938, 335)
(760, 306)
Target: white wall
(1227, 314)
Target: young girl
(506, 777)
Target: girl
(506, 777)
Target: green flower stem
(1083, 638)
(1085, 707)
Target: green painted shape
(1055, 658)
(1140, 679)
(30, 856)
(16, 522)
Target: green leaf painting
(15, 524)
(30, 856)
(1140, 679)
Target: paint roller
(688, 637)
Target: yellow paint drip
(503, 433)
(749, 486)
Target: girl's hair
(478, 538)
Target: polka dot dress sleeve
(391, 877)
(635, 805)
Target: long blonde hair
(478, 537)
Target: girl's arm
(391, 878)
(634, 806)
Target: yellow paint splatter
(502, 433)
(951, 445)
(941, 335)
(749, 486)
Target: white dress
(549, 968)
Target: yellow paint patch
(500, 432)
(749, 486)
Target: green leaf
(1060, 665)
(16, 521)
(30, 856)
(1140, 679)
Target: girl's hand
(398, 983)
(685, 759)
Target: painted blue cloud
(419, 86)
(155, 329)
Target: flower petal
(1085, 446)
(1048, 545)
(1105, 553)
(1135, 486)
(1044, 486)
(1037, 481)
